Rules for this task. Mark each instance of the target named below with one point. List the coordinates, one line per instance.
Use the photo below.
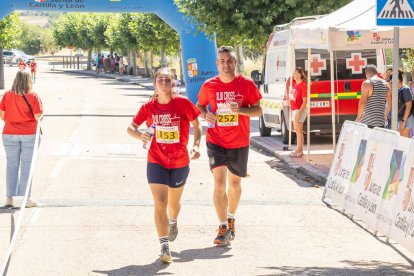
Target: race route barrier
(371, 177)
(22, 208)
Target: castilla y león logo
(192, 67)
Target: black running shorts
(174, 178)
(234, 159)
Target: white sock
(172, 221)
(223, 223)
(230, 216)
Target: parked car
(12, 57)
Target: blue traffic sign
(395, 12)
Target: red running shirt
(17, 116)
(33, 66)
(169, 149)
(219, 95)
(22, 65)
(299, 91)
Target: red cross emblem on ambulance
(317, 65)
(192, 67)
(356, 63)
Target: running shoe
(165, 254)
(223, 236)
(172, 234)
(232, 228)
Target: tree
(250, 22)
(35, 39)
(10, 31)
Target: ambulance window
(321, 63)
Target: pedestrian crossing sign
(395, 12)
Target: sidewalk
(319, 161)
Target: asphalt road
(98, 219)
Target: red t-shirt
(219, 95)
(299, 91)
(169, 149)
(33, 66)
(22, 65)
(17, 116)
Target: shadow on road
(156, 267)
(358, 268)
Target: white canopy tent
(331, 31)
(352, 27)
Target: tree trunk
(182, 70)
(1, 69)
(152, 64)
(134, 57)
(89, 67)
(146, 64)
(130, 65)
(240, 58)
(163, 61)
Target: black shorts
(234, 159)
(174, 178)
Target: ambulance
(273, 82)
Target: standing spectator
(375, 95)
(298, 104)
(20, 108)
(112, 61)
(405, 99)
(107, 64)
(97, 59)
(116, 62)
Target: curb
(306, 169)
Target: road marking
(58, 167)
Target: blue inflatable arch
(199, 52)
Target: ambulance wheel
(264, 131)
(285, 132)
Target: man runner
(233, 99)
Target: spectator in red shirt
(298, 99)
(168, 116)
(233, 99)
(20, 108)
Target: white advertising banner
(372, 178)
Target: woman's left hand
(195, 153)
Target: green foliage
(152, 33)
(118, 34)
(250, 22)
(408, 59)
(82, 30)
(10, 31)
(35, 39)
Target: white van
(277, 68)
